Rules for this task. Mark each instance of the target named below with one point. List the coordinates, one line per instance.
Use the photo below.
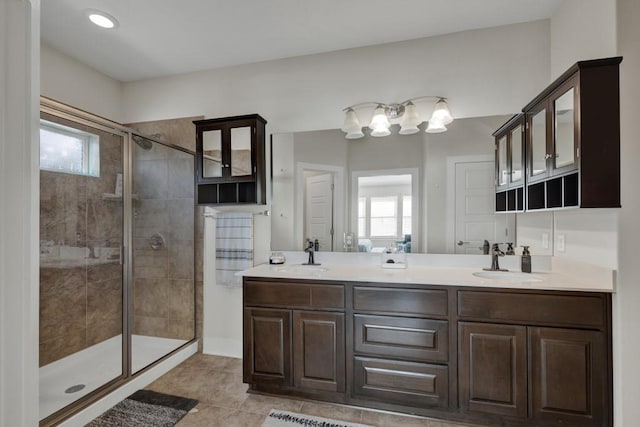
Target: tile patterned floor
(217, 383)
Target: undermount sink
(508, 276)
(301, 269)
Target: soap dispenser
(525, 265)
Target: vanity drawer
(406, 302)
(293, 295)
(406, 383)
(402, 337)
(559, 310)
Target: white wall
(582, 29)
(74, 83)
(627, 298)
(483, 72)
(19, 194)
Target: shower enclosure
(116, 255)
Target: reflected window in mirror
(384, 216)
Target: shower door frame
(58, 109)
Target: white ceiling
(166, 37)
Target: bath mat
(278, 418)
(146, 408)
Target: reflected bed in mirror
(422, 193)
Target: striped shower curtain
(234, 246)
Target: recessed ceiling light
(102, 19)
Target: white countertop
(563, 278)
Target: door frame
(452, 161)
(338, 200)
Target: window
(384, 207)
(384, 216)
(68, 150)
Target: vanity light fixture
(405, 113)
(102, 19)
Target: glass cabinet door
(503, 170)
(564, 131)
(516, 158)
(212, 165)
(538, 141)
(241, 163)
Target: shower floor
(95, 366)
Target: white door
(475, 218)
(319, 210)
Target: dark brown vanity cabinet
(230, 160)
(510, 357)
(573, 139)
(294, 335)
(525, 368)
(510, 165)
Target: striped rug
(278, 418)
(146, 408)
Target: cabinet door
(516, 157)
(492, 369)
(569, 377)
(502, 164)
(319, 351)
(538, 151)
(565, 132)
(267, 346)
(241, 151)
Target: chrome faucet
(495, 254)
(310, 249)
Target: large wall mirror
(424, 193)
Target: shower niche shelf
(230, 160)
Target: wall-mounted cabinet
(510, 166)
(572, 142)
(230, 166)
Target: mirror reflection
(212, 154)
(421, 193)
(564, 138)
(539, 143)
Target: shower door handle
(123, 255)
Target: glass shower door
(163, 251)
(81, 271)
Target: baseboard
(222, 347)
(92, 411)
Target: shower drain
(74, 388)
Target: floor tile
(216, 382)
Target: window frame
(90, 148)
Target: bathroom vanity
(434, 341)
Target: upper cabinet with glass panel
(230, 160)
(510, 165)
(573, 139)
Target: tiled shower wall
(80, 300)
(164, 279)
